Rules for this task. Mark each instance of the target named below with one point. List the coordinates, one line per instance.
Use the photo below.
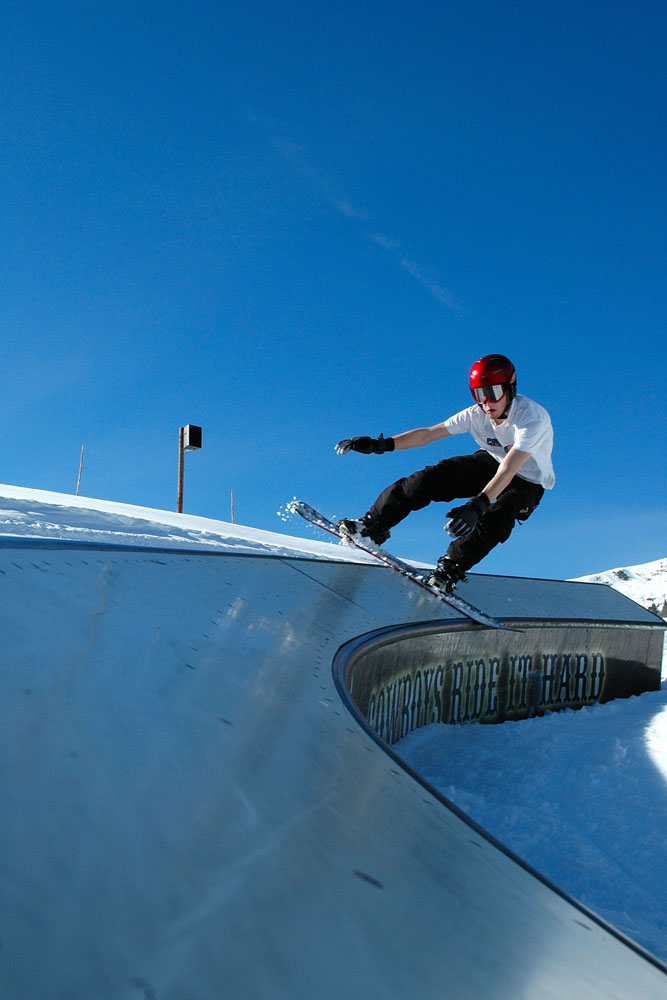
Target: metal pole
(78, 482)
(181, 467)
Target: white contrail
(297, 157)
(442, 294)
(426, 279)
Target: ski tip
(292, 507)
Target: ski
(458, 603)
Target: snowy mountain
(646, 584)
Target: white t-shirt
(527, 427)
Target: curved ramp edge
(191, 810)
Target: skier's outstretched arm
(407, 439)
(420, 436)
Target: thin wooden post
(78, 482)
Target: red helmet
(491, 377)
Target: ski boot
(363, 527)
(446, 575)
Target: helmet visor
(491, 392)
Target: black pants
(458, 477)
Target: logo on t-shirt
(493, 442)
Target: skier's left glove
(365, 445)
(465, 517)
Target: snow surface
(581, 796)
(29, 513)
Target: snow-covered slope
(646, 584)
(31, 513)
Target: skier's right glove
(365, 445)
(465, 517)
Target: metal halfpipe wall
(192, 812)
(401, 679)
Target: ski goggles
(491, 392)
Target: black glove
(366, 445)
(465, 517)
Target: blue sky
(295, 223)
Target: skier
(505, 479)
